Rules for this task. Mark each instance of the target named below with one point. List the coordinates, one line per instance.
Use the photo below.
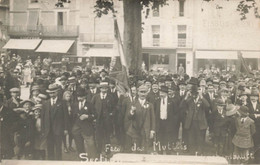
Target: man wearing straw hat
(53, 124)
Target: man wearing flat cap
(142, 127)
(53, 123)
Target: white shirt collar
(103, 95)
(142, 101)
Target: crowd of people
(161, 114)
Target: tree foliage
(103, 7)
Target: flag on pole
(244, 66)
(118, 65)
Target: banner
(118, 65)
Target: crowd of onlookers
(159, 113)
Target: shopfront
(223, 60)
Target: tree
(132, 40)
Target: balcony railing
(97, 37)
(56, 31)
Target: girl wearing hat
(243, 139)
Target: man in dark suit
(210, 97)
(103, 104)
(142, 127)
(166, 119)
(83, 129)
(182, 115)
(153, 95)
(196, 122)
(254, 113)
(53, 123)
(93, 90)
(6, 138)
(174, 97)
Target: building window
(156, 12)
(61, 18)
(33, 20)
(156, 35)
(159, 59)
(181, 8)
(182, 35)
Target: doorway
(181, 61)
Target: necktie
(53, 102)
(163, 101)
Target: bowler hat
(173, 88)
(193, 81)
(244, 111)
(164, 89)
(182, 82)
(81, 93)
(53, 88)
(168, 78)
(231, 109)
(254, 92)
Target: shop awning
(230, 55)
(55, 46)
(250, 54)
(101, 52)
(26, 44)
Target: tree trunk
(133, 35)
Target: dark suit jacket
(143, 120)
(84, 126)
(191, 107)
(172, 116)
(57, 120)
(108, 111)
(91, 95)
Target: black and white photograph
(129, 82)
